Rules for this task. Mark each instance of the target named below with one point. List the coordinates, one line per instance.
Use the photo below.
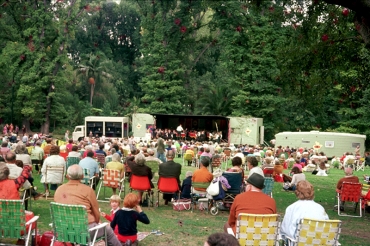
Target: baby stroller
(235, 180)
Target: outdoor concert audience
(305, 207)
(186, 185)
(349, 177)
(291, 182)
(89, 163)
(9, 187)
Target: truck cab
(78, 133)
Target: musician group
(183, 134)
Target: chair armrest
(230, 231)
(92, 178)
(34, 219)
(102, 225)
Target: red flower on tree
(177, 21)
(324, 37)
(161, 70)
(183, 29)
(345, 12)
(239, 29)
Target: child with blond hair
(115, 202)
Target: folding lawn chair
(56, 174)
(196, 195)
(350, 193)
(86, 179)
(316, 232)
(71, 161)
(269, 186)
(13, 223)
(112, 179)
(70, 224)
(257, 229)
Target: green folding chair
(70, 224)
(13, 223)
(72, 160)
(269, 186)
(86, 179)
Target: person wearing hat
(262, 203)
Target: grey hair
(189, 173)
(75, 172)
(4, 171)
(140, 159)
(150, 152)
(88, 147)
(21, 149)
(116, 157)
(113, 150)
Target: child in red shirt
(115, 202)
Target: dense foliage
(300, 65)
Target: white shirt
(53, 177)
(179, 128)
(299, 210)
(297, 177)
(256, 170)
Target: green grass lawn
(192, 228)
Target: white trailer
(111, 127)
(333, 143)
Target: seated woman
(126, 219)
(268, 167)
(9, 187)
(116, 164)
(297, 176)
(52, 177)
(139, 168)
(202, 175)
(305, 207)
(236, 162)
(278, 171)
(321, 171)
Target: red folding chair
(141, 184)
(167, 185)
(350, 193)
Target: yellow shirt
(115, 165)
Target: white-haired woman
(138, 168)
(116, 164)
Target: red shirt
(251, 202)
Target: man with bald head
(349, 177)
(75, 193)
(170, 169)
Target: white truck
(111, 127)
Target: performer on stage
(179, 130)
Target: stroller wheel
(214, 211)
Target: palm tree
(94, 69)
(215, 100)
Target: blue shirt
(91, 164)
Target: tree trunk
(362, 17)
(26, 123)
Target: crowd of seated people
(248, 160)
